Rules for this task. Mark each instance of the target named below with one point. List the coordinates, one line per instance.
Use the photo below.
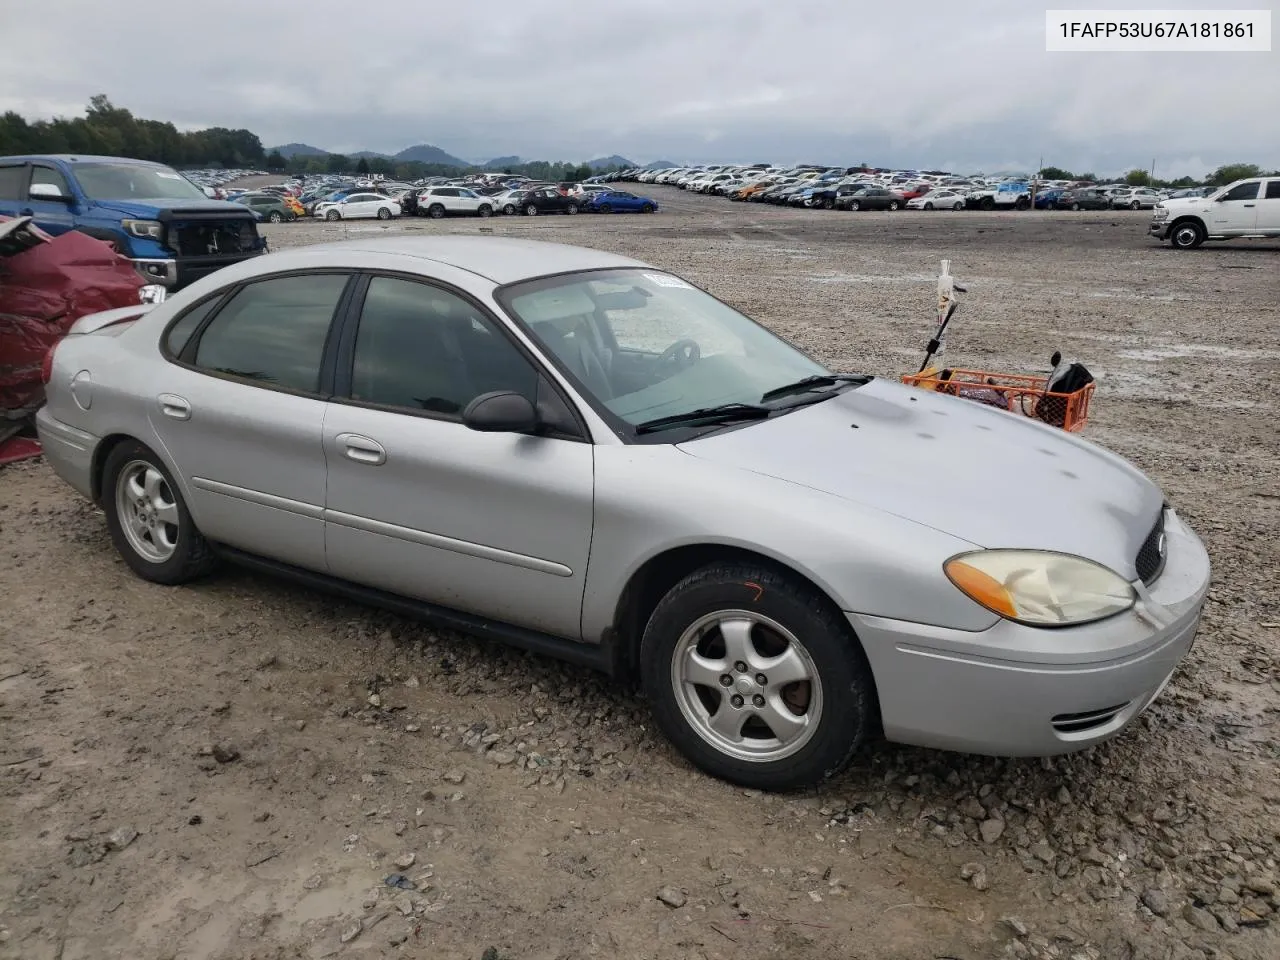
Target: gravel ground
(236, 769)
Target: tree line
(113, 131)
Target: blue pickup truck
(150, 213)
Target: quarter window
(274, 331)
(423, 348)
(176, 339)
(1273, 190)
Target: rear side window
(274, 331)
(12, 181)
(1273, 190)
(179, 333)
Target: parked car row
(863, 188)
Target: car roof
(499, 259)
(83, 158)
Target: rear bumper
(1020, 691)
(68, 450)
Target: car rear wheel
(1187, 236)
(333, 215)
(384, 213)
(1135, 205)
(485, 210)
(828, 204)
(571, 209)
(1075, 206)
(958, 205)
(148, 519)
(530, 210)
(893, 204)
(605, 208)
(756, 677)
(435, 211)
(509, 209)
(855, 205)
(275, 216)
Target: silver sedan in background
(590, 457)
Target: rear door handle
(172, 405)
(362, 449)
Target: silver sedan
(590, 457)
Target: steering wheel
(680, 355)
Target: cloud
(964, 85)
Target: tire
(1186, 235)
(292, 217)
(275, 216)
(571, 209)
(893, 204)
(855, 204)
(839, 700)
(958, 206)
(332, 215)
(648, 208)
(604, 208)
(530, 210)
(509, 209)
(485, 210)
(1135, 205)
(137, 494)
(928, 206)
(828, 204)
(435, 211)
(1022, 203)
(384, 213)
(1075, 206)
(988, 203)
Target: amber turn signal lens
(981, 588)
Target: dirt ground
(233, 769)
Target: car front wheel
(275, 216)
(485, 210)
(756, 677)
(1187, 236)
(531, 211)
(148, 519)
(571, 209)
(333, 215)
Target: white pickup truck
(1240, 210)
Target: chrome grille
(1151, 555)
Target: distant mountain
(425, 153)
(661, 165)
(614, 161)
(298, 150)
(369, 155)
(497, 163)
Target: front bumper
(1159, 229)
(1013, 690)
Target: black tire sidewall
(190, 558)
(849, 706)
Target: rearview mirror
(502, 411)
(47, 191)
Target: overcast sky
(956, 84)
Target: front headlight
(1040, 588)
(152, 229)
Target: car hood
(143, 209)
(977, 473)
(1187, 204)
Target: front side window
(12, 180)
(646, 344)
(1245, 191)
(50, 177)
(274, 331)
(423, 348)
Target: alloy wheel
(148, 511)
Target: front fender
(652, 499)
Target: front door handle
(172, 405)
(362, 449)
(1248, 204)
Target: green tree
(362, 167)
(1090, 176)
(337, 163)
(1138, 178)
(1056, 173)
(1231, 172)
(276, 162)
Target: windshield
(129, 181)
(644, 344)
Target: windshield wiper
(723, 413)
(808, 383)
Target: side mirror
(47, 191)
(502, 411)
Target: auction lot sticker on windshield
(1137, 31)
(169, 176)
(662, 280)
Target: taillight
(46, 367)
